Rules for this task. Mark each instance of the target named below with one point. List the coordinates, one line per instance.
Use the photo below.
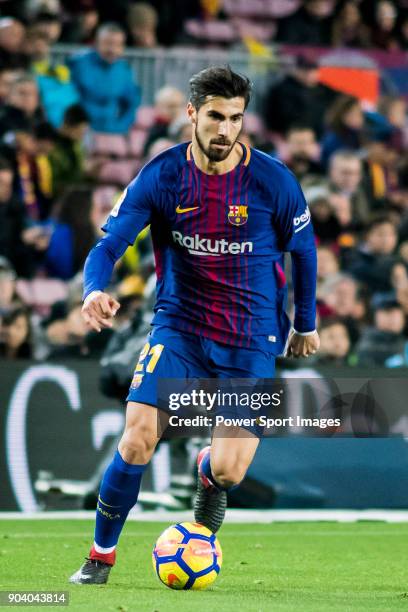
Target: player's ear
(192, 112)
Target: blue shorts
(171, 354)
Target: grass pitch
(282, 566)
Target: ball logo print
(187, 556)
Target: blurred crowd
(74, 133)
(379, 24)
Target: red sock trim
(108, 558)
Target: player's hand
(98, 310)
(303, 346)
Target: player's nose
(222, 128)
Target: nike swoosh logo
(184, 210)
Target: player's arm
(99, 307)
(298, 239)
(304, 340)
(129, 216)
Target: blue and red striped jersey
(219, 243)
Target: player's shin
(210, 501)
(118, 494)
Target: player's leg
(119, 490)
(232, 452)
(166, 354)
(221, 467)
(232, 448)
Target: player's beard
(215, 155)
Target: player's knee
(137, 444)
(229, 475)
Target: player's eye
(216, 116)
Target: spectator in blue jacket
(71, 233)
(106, 84)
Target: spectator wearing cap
(67, 156)
(298, 98)
(57, 91)
(373, 260)
(106, 84)
(384, 339)
(49, 25)
(310, 25)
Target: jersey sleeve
(296, 235)
(133, 210)
(292, 217)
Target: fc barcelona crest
(237, 214)
(136, 381)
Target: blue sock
(206, 469)
(117, 495)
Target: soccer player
(222, 215)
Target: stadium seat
(262, 32)
(262, 9)
(112, 145)
(137, 139)
(215, 31)
(119, 172)
(105, 195)
(145, 117)
(253, 124)
(41, 293)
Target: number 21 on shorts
(149, 357)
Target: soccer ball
(187, 556)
